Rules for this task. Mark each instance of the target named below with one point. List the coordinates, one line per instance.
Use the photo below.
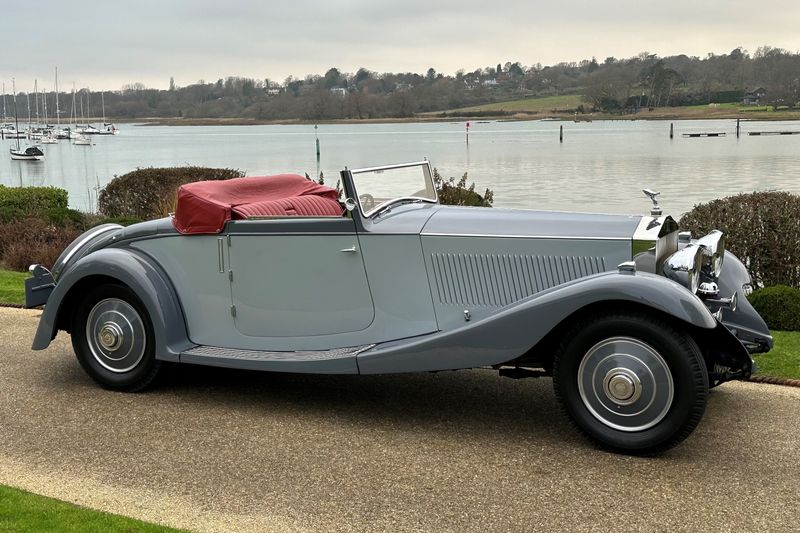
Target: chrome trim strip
(388, 203)
(491, 235)
(86, 239)
(389, 167)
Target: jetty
(705, 134)
(773, 132)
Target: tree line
(611, 85)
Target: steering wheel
(367, 201)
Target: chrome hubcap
(625, 384)
(116, 335)
(622, 386)
(110, 336)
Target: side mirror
(349, 204)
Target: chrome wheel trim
(625, 384)
(116, 335)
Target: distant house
(490, 82)
(273, 92)
(339, 91)
(754, 97)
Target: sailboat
(49, 136)
(8, 130)
(31, 153)
(76, 134)
(60, 133)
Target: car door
(297, 277)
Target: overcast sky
(106, 44)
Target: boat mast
(72, 117)
(103, 101)
(16, 118)
(44, 104)
(28, 98)
(4, 103)
(58, 111)
(36, 99)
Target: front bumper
(38, 287)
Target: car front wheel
(113, 339)
(631, 382)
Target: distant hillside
(769, 76)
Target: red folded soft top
(205, 206)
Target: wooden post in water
(671, 130)
(738, 128)
(561, 134)
(467, 132)
(317, 139)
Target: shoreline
(676, 114)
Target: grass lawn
(531, 105)
(12, 287)
(22, 512)
(783, 361)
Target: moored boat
(31, 153)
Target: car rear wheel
(113, 339)
(631, 382)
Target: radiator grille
(498, 280)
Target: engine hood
(523, 223)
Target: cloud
(105, 44)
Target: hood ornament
(656, 209)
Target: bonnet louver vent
(499, 280)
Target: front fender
(511, 332)
(142, 275)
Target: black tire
(113, 339)
(610, 365)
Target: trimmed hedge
(761, 228)
(779, 306)
(18, 202)
(148, 193)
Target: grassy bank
(523, 109)
(12, 287)
(783, 361)
(24, 512)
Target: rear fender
(139, 273)
(513, 331)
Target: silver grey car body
(410, 286)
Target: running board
(336, 361)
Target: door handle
(350, 250)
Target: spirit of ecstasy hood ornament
(656, 209)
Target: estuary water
(600, 166)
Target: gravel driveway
(454, 451)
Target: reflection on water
(601, 166)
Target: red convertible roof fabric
(205, 206)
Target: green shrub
(61, 216)
(149, 193)
(779, 306)
(452, 192)
(761, 228)
(16, 202)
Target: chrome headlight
(684, 266)
(713, 246)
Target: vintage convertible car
(632, 319)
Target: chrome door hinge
(233, 311)
(229, 241)
(230, 276)
(220, 256)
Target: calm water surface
(601, 166)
